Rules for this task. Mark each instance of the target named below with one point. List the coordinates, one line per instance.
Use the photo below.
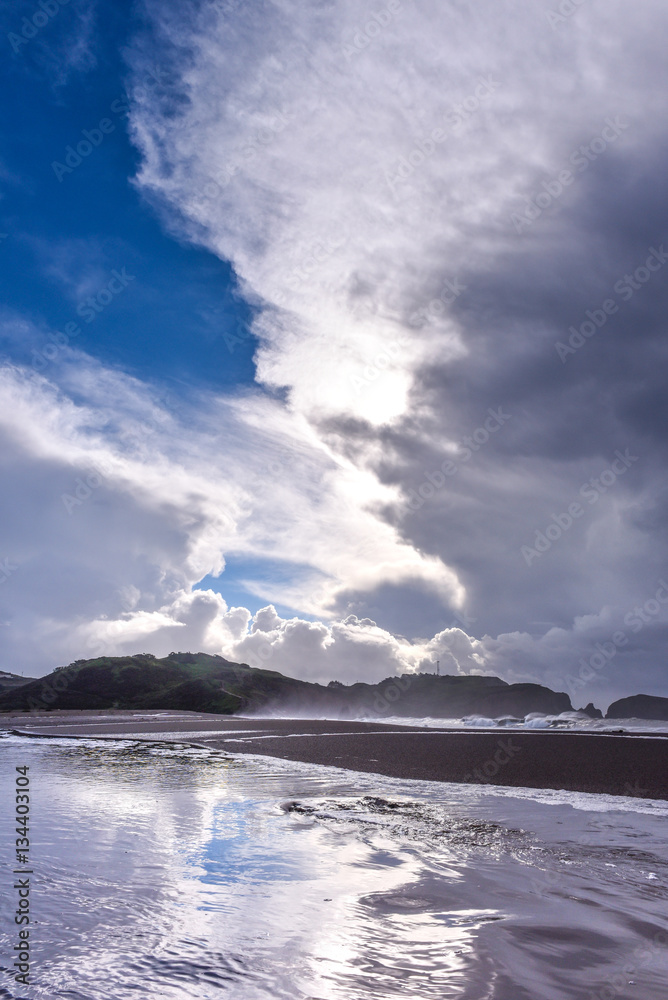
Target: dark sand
(631, 764)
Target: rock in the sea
(639, 706)
(591, 711)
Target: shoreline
(615, 763)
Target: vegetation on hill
(186, 681)
(200, 682)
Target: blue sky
(308, 359)
(65, 229)
(69, 228)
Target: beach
(613, 763)
(162, 865)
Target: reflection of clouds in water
(111, 839)
(181, 872)
(174, 840)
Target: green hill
(186, 681)
(199, 682)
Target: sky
(332, 337)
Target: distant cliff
(639, 706)
(203, 683)
(426, 695)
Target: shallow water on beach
(174, 872)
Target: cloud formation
(117, 505)
(424, 206)
(443, 218)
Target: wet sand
(633, 764)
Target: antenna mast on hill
(438, 668)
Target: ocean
(167, 871)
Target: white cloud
(117, 507)
(592, 660)
(286, 157)
(348, 188)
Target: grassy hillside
(186, 681)
(199, 682)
